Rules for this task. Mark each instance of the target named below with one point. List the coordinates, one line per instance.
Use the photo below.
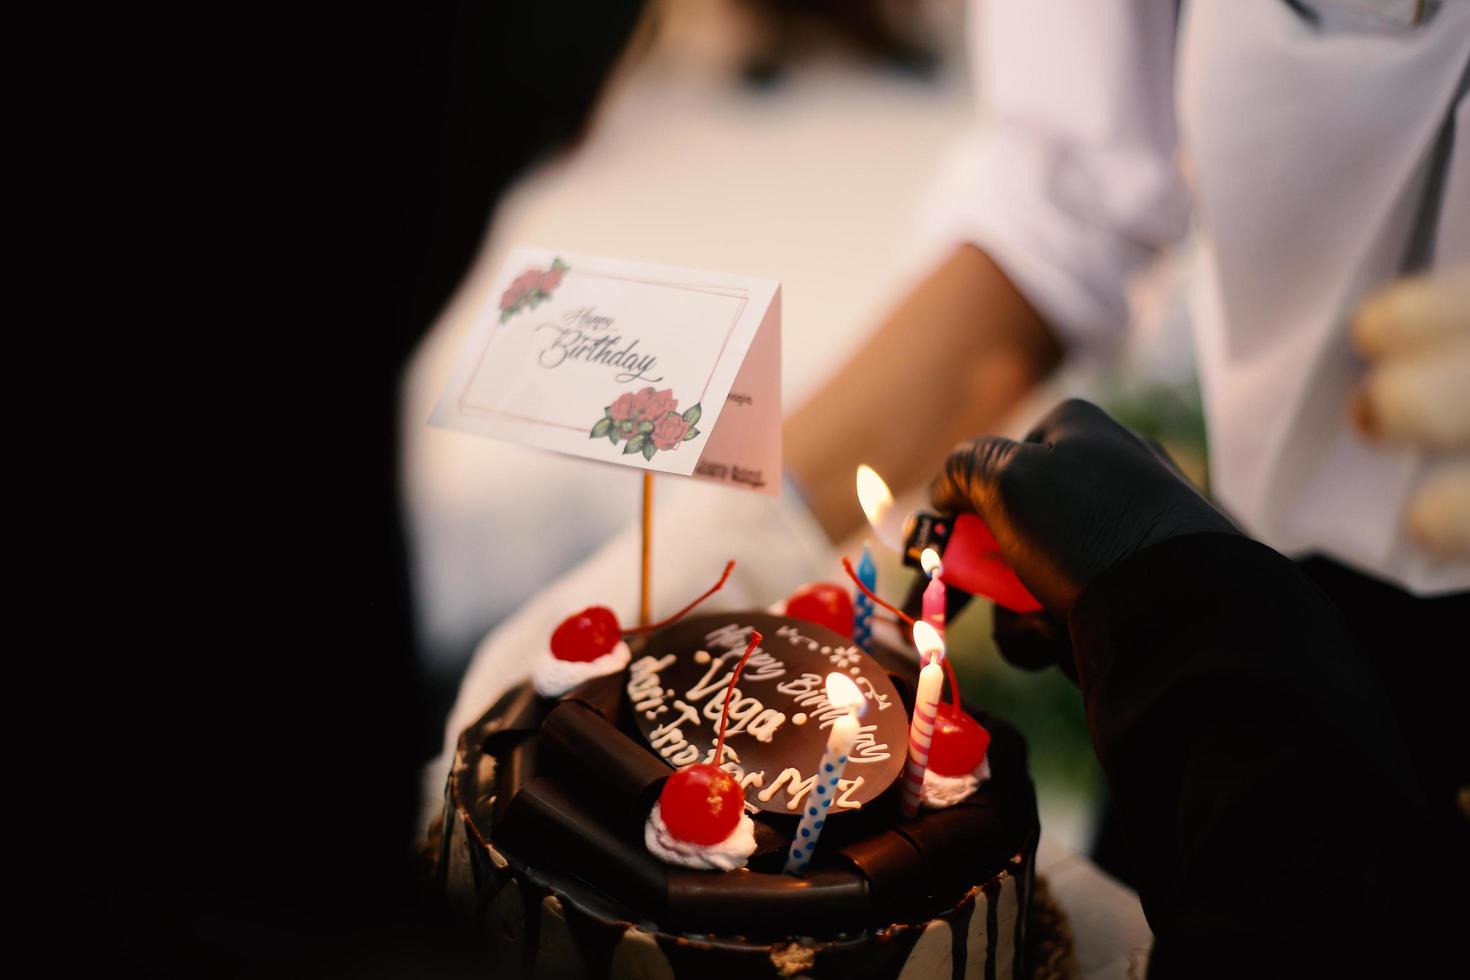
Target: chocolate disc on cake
(779, 715)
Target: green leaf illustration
(649, 449)
(691, 433)
(635, 444)
(645, 426)
(600, 429)
(612, 434)
(691, 415)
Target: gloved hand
(1078, 496)
(1415, 334)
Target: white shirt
(1327, 151)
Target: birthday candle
(862, 619)
(841, 693)
(926, 704)
(934, 597)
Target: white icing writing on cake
(645, 689)
(746, 715)
(808, 691)
(797, 788)
(729, 760)
(647, 693)
(839, 657)
(669, 738)
(761, 666)
(872, 693)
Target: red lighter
(971, 555)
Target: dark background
(291, 203)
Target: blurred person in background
(1321, 152)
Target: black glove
(1033, 641)
(1080, 495)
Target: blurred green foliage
(1170, 414)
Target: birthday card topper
(649, 366)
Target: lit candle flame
(843, 693)
(930, 562)
(877, 503)
(929, 642)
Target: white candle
(926, 703)
(841, 693)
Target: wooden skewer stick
(645, 598)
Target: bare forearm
(946, 365)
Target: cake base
(541, 848)
(537, 927)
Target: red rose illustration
(551, 279)
(520, 289)
(625, 408)
(669, 431)
(624, 415)
(530, 288)
(654, 405)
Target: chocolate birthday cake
(564, 841)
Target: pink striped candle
(934, 597)
(926, 703)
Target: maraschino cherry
(703, 803)
(959, 742)
(586, 636)
(824, 604)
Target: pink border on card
(731, 292)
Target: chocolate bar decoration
(615, 774)
(602, 694)
(897, 884)
(519, 710)
(516, 754)
(958, 845)
(569, 839)
(753, 901)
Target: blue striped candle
(841, 693)
(862, 617)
